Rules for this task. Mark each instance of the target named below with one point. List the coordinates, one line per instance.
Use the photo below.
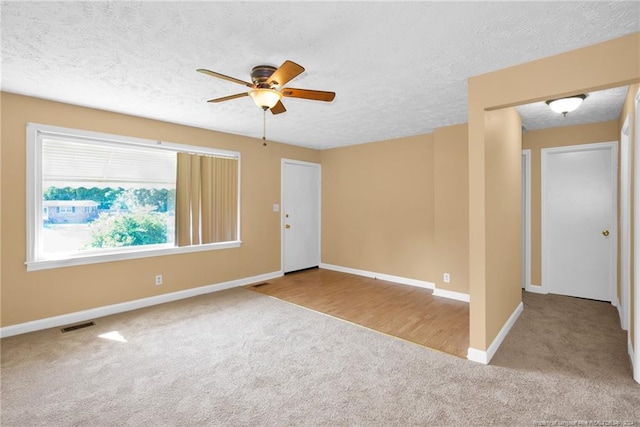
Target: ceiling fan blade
(222, 76)
(315, 95)
(227, 98)
(286, 72)
(278, 108)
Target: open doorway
(595, 124)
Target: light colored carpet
(239, 358)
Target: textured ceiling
(398, 68)
(597, 106)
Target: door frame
(283, 162)
(544, 234)
(624, 307)
(526, 218)
(636, 244)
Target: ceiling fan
(267, 86)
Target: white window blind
(102, 164)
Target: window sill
(125, 255)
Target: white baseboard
(381, 276)
(635, 368)
(616, 303)
(536, 289)
(459, 296)
(485, 357)
(402, 280)
(81, 316)
(476, 355)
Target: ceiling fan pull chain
(264, 127)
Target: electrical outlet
(159, 280)
(446, 278)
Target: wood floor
(407, 312)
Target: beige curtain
(206, 199)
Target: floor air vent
(259, 284)
(76, 327)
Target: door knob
(287, 226)
(605, 233)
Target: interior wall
(378, 207)
(451, 208)
(40, 294)
(628, 109)
(503, 154)
(536, 140)
(609, 64)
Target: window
(95, 197)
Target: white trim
(282, 215)
(59, 131)
(458, 296)
(485, 357)
(630, 351)
(34, 187)
(300, 163)
(381, 276)
(544, 154)
(129, 253)
(526, 219)
(478, 356)
(536, 289)
(81, 316)
(636, 240)
(284, 161)
(624, 308)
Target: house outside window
(70, 211)
(96, 197)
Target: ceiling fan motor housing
(260, 75)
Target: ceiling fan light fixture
(265, 98)
(566, 105)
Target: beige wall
(378, 208)
(503, 208)
(604, 65)
(451, 207)
(40, 294)
(629, 109)
(536, 140)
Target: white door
(300, 215)
(579, 221)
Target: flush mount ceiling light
(566, 105)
